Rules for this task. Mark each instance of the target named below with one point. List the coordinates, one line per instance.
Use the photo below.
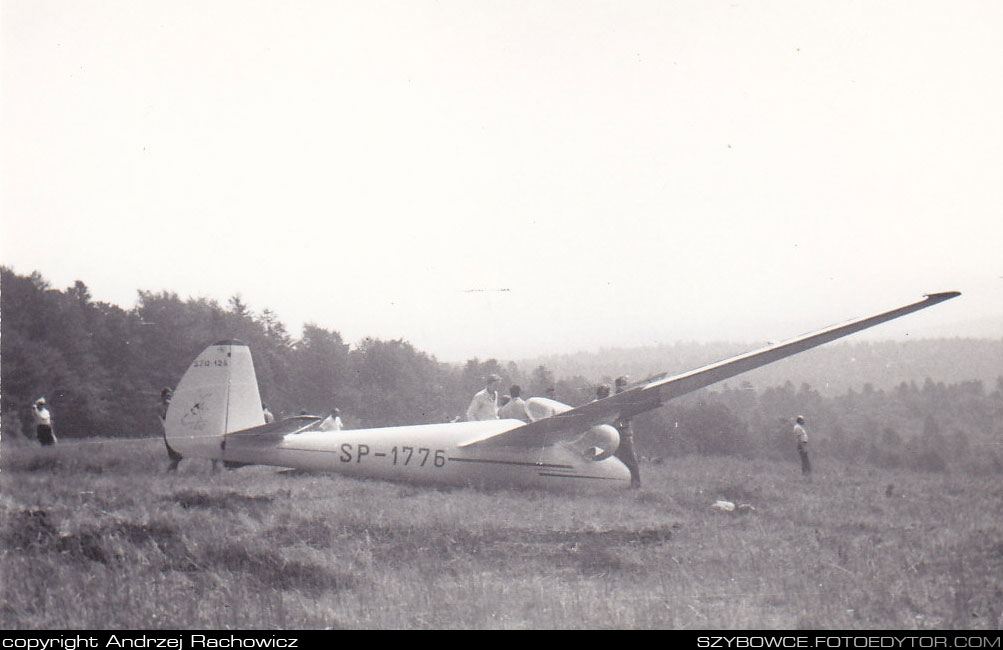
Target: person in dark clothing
(802, 436)
(625, 452)
(165, 402)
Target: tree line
(101, 368)
(930, 426)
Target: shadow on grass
(120, 542)
(589, 551)
(227, 501)
(32, 531)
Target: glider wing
(655, 391)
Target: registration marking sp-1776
(399, 455)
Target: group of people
(485, 406)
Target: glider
(216, 414)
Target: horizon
(747, 345)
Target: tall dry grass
(98, 536)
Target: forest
(102, 367)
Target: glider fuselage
(432, 454)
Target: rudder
(218, 394)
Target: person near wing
(625, 452)
(332, 422)
(516, 407)
(484, 405)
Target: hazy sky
(514, 178)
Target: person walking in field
(625, 452)
(484, 406)
(802, 437)
(43, 423)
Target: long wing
(655, 391)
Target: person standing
(165, 403)
(332, 422)
(269, 417)
(516, 407)
(802, 437)
(625, 452)
(484, 405)
(43, 423)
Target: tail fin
(218, 394)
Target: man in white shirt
(43, 423)
(332, 422)
(484, 406)
(802, 436)
(516, 408)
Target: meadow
(96, 535)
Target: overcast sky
(505, 179)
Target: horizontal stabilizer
(273, 432)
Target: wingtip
(944, 295)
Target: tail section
(218, 394)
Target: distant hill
(830, 369)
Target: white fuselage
(432, 453)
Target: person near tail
(165, 403)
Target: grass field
(97, 536)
